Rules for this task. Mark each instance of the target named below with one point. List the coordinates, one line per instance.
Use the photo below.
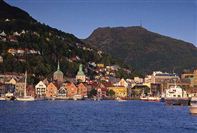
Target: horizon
(81, 18)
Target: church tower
(58, 75)
(80, 74)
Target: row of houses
(22, 51)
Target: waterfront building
(40, 89)
(82, 90)
(120, 91)
(2, 89)
(122, 82)
(58, 75)
(192, 92)
(187, 75)
(138, 80)
(175, 92)
(194, 80)
(51, 90)
(31, 91)
(160, 77)
(71, 89)
(101, 90)
(62, 91)
(80, 75)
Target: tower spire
(58, 65)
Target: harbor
(95, 116)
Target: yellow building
(194, 81)
(120, 91)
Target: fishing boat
(193, 105)
(25, 97)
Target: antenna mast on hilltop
(140, 23)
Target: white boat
(193, 105)
(150, 98)
(77, 97)
(2, 98)
(25, 98)
(9, 96)
(120, 99)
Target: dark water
(94, 117)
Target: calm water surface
(94, 117)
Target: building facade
(40, 89)
(51, 90)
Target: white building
(2, 34)
(138, 80)
(160, 77)
(175, 92)
(122, 82)
(40, 89)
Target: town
(153, 87)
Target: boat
(9, 96)
(193, 105)
(120, 99)
(77, 97)
(2, 98)
(150, 98)
(25, 98)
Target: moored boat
(2, 98)
(120, 99)
(193, 105)
(177, 101)
(9, 96)
(150, 98)
(25, 98)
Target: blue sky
(174, 18)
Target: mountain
(26, 44)
(146, 51)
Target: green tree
(92, 93)
(110, 93)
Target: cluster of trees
(93, 93)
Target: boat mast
(25, 94)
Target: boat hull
(177, 101)
(25, 99)
(2, 99)
(193, 109)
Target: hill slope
(145, 50)
(27, 44)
